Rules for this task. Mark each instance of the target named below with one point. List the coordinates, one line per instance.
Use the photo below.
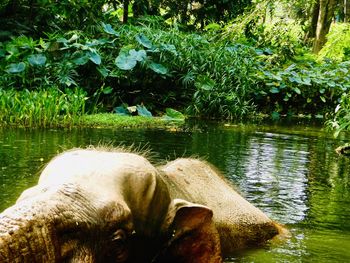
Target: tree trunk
(126, 11)
(314, 18)
(324, 21)
(346, 11)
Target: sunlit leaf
(95, 57)
(205, 83)
(142, 111)
(122, 110)
(108, 29)
(125, 62)
(274, 90)
(62, 40)
(337, 108)
(37, 59)
(16, 68)
(331, 83)
(97, 42)
(297, 90)
(132, 109)
(81, 60)
(268, 51)
(144, 41)
(138, 55)
(307, 81)
(107, 90)
(158, 68)
(172, 114)
(73, 38)
(291, 67)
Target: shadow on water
(291, 173)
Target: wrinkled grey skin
(96, 205)
(239, 223)
(104, 206)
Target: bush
(159, 66)
(303, 88)
(341, 120)
(338, 43)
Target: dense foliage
(188, 57)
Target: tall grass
(41, 108)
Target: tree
(325, 17)
(204, 11)
(311, 34)
(346, 11)
(125, 11)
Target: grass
(53, 108)
(111, 120)
(41, 108)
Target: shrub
(341, 120)
(338, 43)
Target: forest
(219, 59)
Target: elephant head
(105, 206)
(239, 223)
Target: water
(291, 173)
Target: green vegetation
(213, 59)
(44, 108)
(106, 120)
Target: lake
(292, 173)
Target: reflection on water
(292, 174)
(275, 175)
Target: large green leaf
(144, 41)
(297, 90)
(37, 59)
(107, 90)
(125, 61)
(274, 90)
(142, 111)
(122, 110)
(94, 57)
(138, 55)
(104, 71)
(16, 67)
(172, 114)
(81, 60)
(62, 40)
(205, 83)
(108, 29)
(158, 68)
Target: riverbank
(107, 120)
(111, 120)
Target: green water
(291, 173)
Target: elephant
(111, 205)
(239, 223)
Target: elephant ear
(192, 236)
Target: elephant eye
(119, 248)
(119, 238)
